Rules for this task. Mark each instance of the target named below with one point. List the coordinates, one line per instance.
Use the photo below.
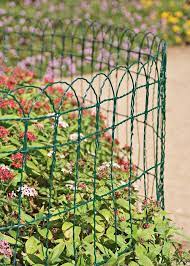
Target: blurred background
(169, 19)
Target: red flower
(51, 89)
(69, 94)
(59, 89)
(11, 82)
(125, 165)
(146, 226)
(5, 173)
(4, 104)
(17, 160)
(116, 141)
(3, 132)
(57, 101)
(117, 194)
(38, 105)
(3, 80)
(30, 136)
(48, 79)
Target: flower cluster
(5, 249)
(28, 191)
(5, 173)
(17, 160)
(10, 77)
(29, 135)
(3, 132)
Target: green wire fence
(82, 141)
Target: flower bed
(67, 185)
(167, 18)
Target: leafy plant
(66, 185)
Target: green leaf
(56, 252)
(106, 214)
(167, 249)
(25, 217)
(9, 239)
(121, 260)
(69, 233)
(32, 166)
(140, 250)
(32, 245)
(110, 233)
(66, 226)
(102, 248)
(112, 261)
(154, 250)
(99, 228)
(43, 233)
(123, 203)
(145, 261)
(70, 249)
(35, 259)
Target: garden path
(177, 175)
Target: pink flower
(30, 136)
(3, 132)
(5, 173)
(82, 185)
(5, 249)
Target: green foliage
(66, 196)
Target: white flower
(28, 191)
(68, 170)
(63, 124)
(74, 136)
(115, 165)
(4, 167)
(70, 186)
(107, 165)
(61, 156)
(50, 154)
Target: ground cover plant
(67, 194)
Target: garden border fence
(103, 69)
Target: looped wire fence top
(83, 112)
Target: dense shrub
(67, 185)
